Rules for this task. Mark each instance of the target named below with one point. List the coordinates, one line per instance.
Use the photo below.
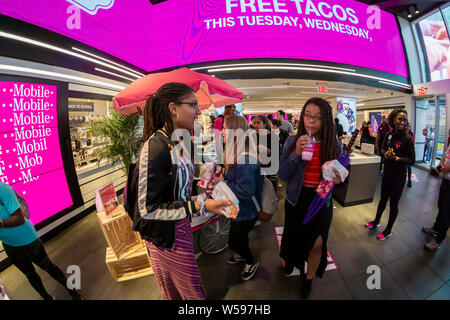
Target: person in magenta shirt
(218, 124)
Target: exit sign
(322, 88)
(422, 91)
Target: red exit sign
(322, 88)
(422, 91)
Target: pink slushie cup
(307, 153)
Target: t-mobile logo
(92, 6)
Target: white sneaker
(250, 270)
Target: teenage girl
(164, 193)
(307, 243)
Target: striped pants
(176, 269)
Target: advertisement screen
(30, 155)
(346, 113)
(180, 32)
(437, 46)
(375, 121)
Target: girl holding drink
(303, 156)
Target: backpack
(269, 201)
(130, 197)
(23, 206)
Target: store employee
(23, 245)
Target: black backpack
(23, 206)
(130, 194)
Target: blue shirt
(246, 181)
(17, 236)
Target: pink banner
(30, 155)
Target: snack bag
(223, 192)
(328, 173)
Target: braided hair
(329, 149)
(157, 114)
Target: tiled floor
(407, 270)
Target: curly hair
(393, 115)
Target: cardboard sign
(106, 199)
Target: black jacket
(158, 203)
(403, 146)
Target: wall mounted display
(30, 154)
(346, 113)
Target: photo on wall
(375, 121)
(346, 113)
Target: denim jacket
(246, 181)
(292, 170)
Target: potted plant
(124, 134)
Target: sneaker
(250, 270)
(372, 224)
(432, 246)
(429, 230)
(235, 259)
(288, 268)
(75, 294)
(305, 289)
(384, 235)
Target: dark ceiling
(402, 7)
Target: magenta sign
(180, 32)
(30, 156)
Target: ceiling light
(82, 80)
(68, 52)
(98, 57)
(273, 64)
(308, 69)
(114, 74)
(417, 10)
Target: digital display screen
(30, 155)
(181, 32)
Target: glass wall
(433, 41)
(84, 143)
(430, 130)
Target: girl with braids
(398, 151)
(164, 199)
(301, 243)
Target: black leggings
(238, 239)
(443, 218)
(23, 258)
(391, 190)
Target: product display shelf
(127, 256)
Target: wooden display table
(127, 255)
(135, 265)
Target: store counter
(362, 180)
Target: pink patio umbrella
(210, 90)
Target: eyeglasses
(194, 105)
(314, 118)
